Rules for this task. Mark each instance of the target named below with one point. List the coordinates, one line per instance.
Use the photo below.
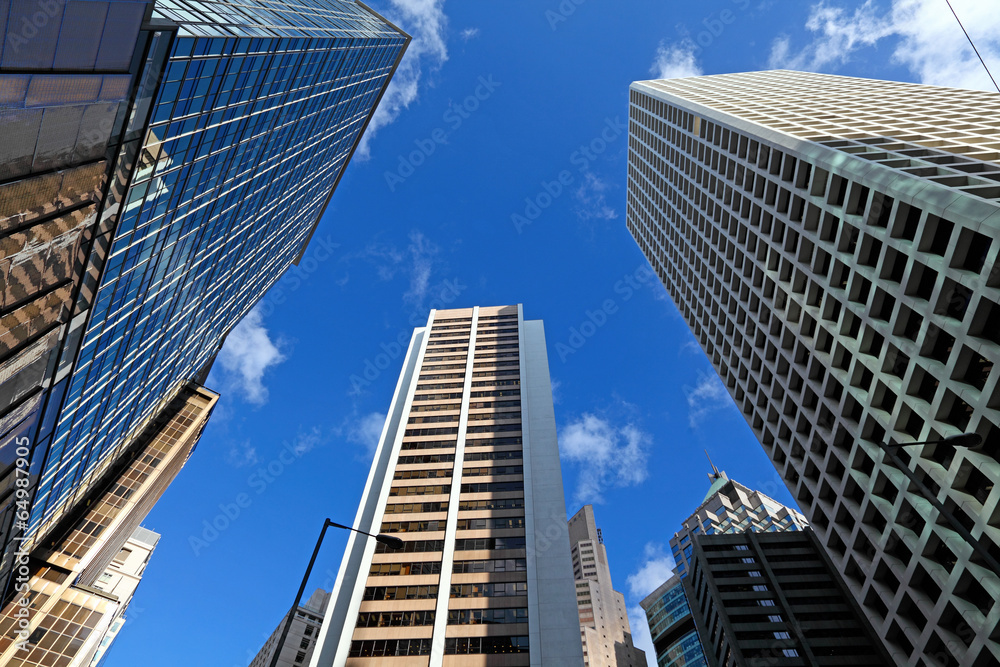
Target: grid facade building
(239, 124)
(467, 474)
(604, 625)
(728, 508)
(832, 243)
(774, 598)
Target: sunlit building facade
(467, 474)
(72, 588)
(63, 99)
(239, 127)
(833, 244)
(604, 626)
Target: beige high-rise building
(79, 576)
(121, 580)
(604, 627)
(832, 243)
(467, 474)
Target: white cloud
(641, 638)
(605, 455)
(425, 22)
(657, 567)
(242, 454)
(593, 203)
(422, 254)
(469, 33)
(708, 396)
(675, 61)
(246, 356)
(928, 40)
(367, 430)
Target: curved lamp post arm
(388, 540)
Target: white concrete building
(832, 243)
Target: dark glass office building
(773, 598)
(240, 121)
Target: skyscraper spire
(714, 475)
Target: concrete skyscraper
(223, 140)
(604, 624)
(467, 473)
(832, 243)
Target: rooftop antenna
(715, 471)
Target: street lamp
(388, 540)
(960, 441)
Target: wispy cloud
(306, 441)
(469, 33)
(246, 356)
(416, 261)
(708, 396)
(426, 22)
(606, 455)
(676, 60)
(242, 454)
(591, 199)
(366, 430)
(928, 40)
(422, 253)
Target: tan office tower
(466, 473)
(300, 641)
(64, 604)
(832, 243)
(604, 628)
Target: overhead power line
(971, 43)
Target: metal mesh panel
(78, 47)
(57, 137)
(19, 128)
(13, 87)
(53, 89)
(22, 200)
(95, 129)
(32, 34)
(121, 30)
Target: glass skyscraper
(241, 123)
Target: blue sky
(494, 174)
